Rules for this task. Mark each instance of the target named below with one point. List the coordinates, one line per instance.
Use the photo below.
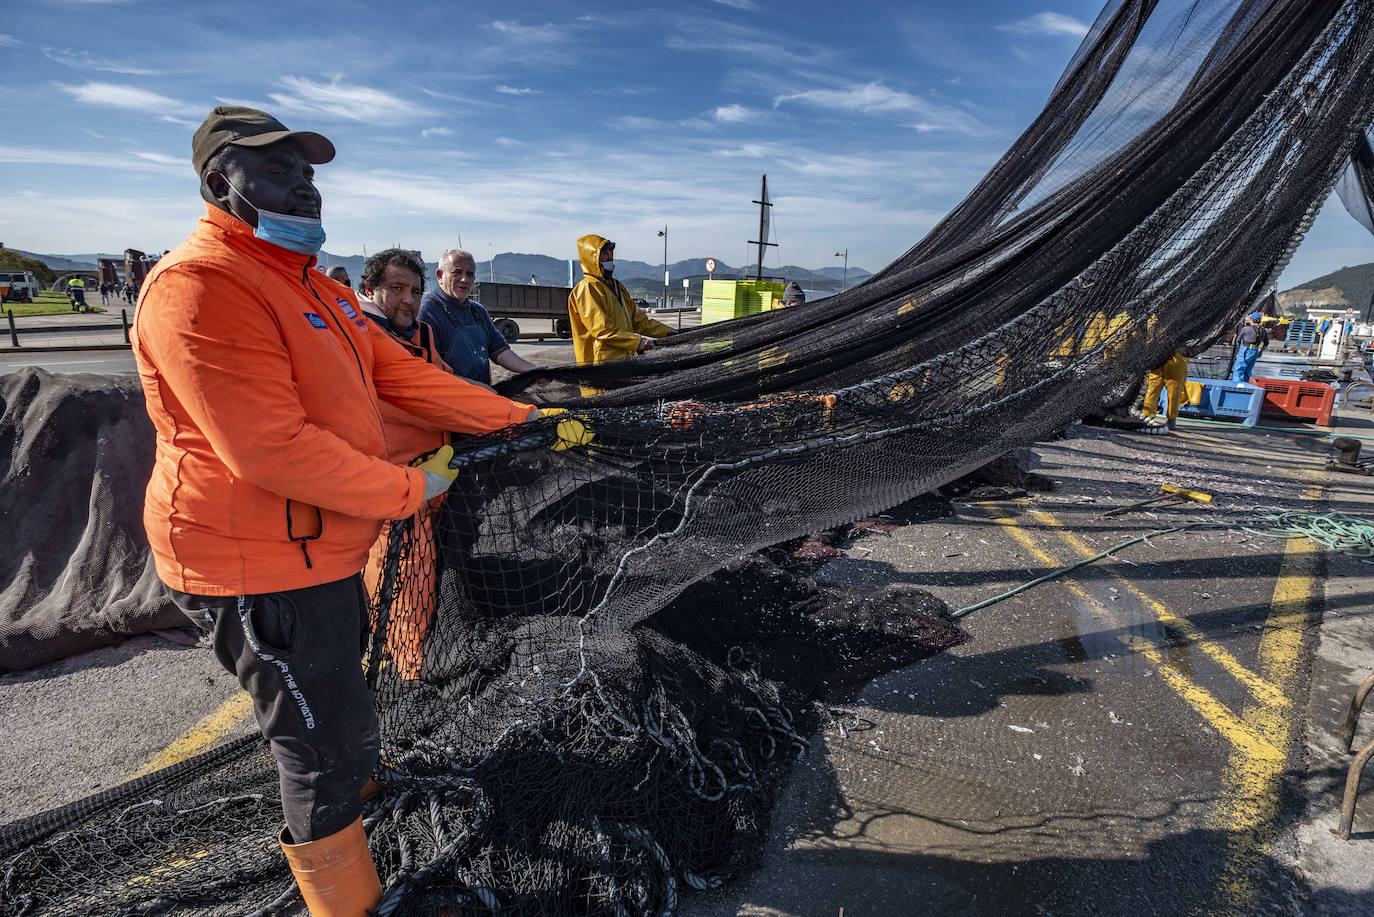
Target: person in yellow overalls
(1172, 378)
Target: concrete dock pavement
(1151, 734)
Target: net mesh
(587, 700)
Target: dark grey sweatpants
(298, 654)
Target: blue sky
(521, 125)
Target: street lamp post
(664, 234)
(844, 280)
(491, 263)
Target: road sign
(1349, 311)
(710, 265)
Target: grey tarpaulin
(76, 452)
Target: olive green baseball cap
(250, 127)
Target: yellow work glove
(572, 431)
(438, 476)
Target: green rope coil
(1350, 535)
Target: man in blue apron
(1252, 339)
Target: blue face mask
(302, 235)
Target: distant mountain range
(62, 264)
(1348, 287)
(517, 267)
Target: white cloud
(747, 151)
(98, 222)
(85, 60)
(1053, 24)
(520, 32)
(429, 132)
(508, 143)
(355, 103)
(733, 114)
(738, 4)
(133, 162)
(731, 44)
(129, 98)
(871, 97)
(9, 41)
(875, 98)
(162, 158)
(516, 90)
(639, 123)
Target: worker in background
(339, 274)
(272, 476)
(793, 295)
(1172, 378)
(606, 323)
(77, 288)
(393, 283)
(468, 339)
(1251, 341)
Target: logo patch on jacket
(352, 313)
(316, 320)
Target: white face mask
(608, 267)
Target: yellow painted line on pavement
(1261, 688)
(1245, 740)
(1248, 809)
(215, 728)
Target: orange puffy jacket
(263, 381)
(407, 437)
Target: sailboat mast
(762, 241)
(763, 202)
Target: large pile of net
(75, 453)
(575, 721)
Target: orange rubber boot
(336, 874)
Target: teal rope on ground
(1352, 535)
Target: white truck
(18, 286)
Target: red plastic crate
(1296, 399)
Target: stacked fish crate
(726, 299)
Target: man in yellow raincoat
(606, 323)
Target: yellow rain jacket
(606, 323)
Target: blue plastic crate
(1302, 335)
(1222, 399)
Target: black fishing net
(588, 700)
(1356, 184)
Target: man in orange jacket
(271, 480)
(393, 282)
